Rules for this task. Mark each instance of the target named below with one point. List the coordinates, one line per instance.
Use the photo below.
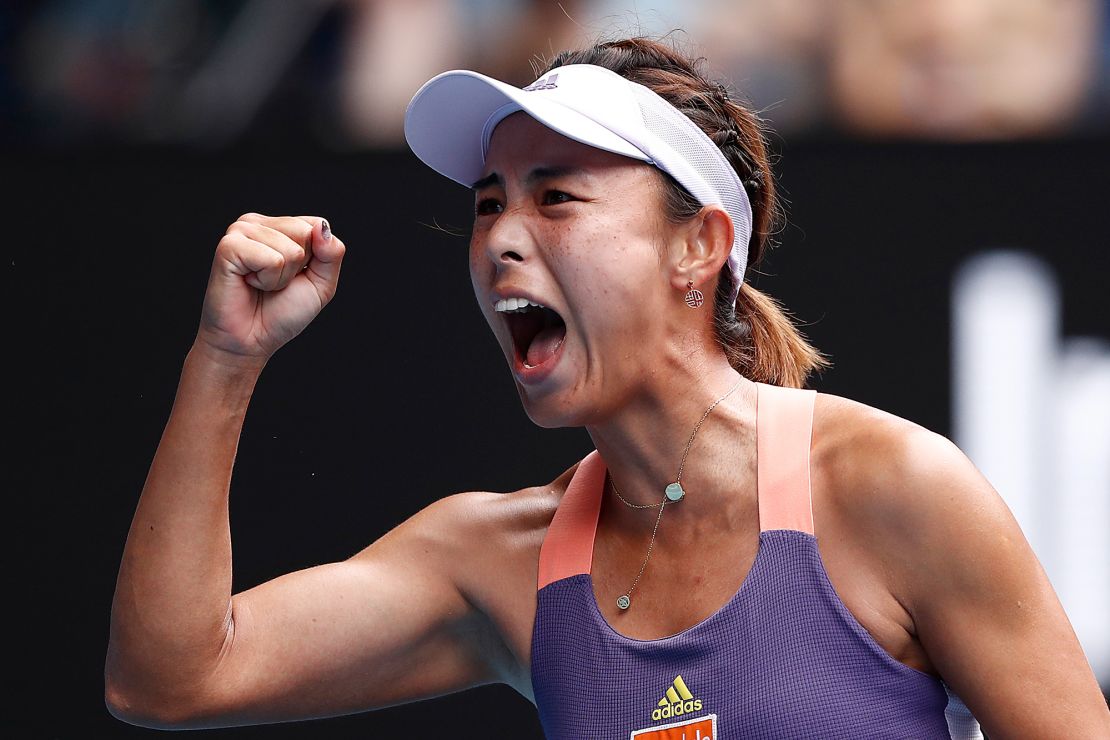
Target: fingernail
(325, 229)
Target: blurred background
(338, 73)
(945, 164)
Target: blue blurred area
(337, 73)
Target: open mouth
(537, 331)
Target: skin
(916, 542)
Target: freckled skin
(593, 256)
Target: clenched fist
(270, 277)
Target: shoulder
(487, 513)
(488, 545)
(884, 468)
(471, 529)
(910, 494)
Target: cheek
(481, 278)
(480, 267)
(624, 261)
(612, 277)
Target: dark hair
(756, 333)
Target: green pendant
(675, 492)
(623, 602)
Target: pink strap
(784, 428)
(568, 547)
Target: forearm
(171, 612)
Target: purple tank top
(783, 658)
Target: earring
(694, 298)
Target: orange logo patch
(702, 728)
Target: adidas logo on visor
(547, 83)
(677, 701)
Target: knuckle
(251, 217)
(239, 227)
(227, 241)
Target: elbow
(121, 706)
(140, 709)
(153, 686)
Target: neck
(643, 442)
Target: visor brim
(450, 119)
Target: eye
(555, 197)
(487, 206)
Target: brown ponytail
(758, 337)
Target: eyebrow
(537, 175)
(491, 179)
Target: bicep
(984, 609)
(387, 626)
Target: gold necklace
(673, 493)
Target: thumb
(322, 269)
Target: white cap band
(449, 122)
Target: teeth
(514, 305)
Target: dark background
(122, 172)
(397, 394)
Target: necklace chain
(625, 599)
(628, 503)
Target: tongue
(545, 344)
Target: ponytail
(761, 341)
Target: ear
(706, 243)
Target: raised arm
(385, 626)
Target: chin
(557, 407)
(549, 411)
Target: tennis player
(740, 557)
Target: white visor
(449, 122)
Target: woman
(739, 558)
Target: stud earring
(694, 298)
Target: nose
(509, 241)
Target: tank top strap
(784, 428)
(568, 546)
